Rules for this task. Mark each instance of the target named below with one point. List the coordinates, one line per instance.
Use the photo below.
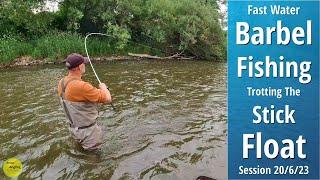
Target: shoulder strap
(63, 87)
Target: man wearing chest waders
(79, 99)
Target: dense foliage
(189, 27)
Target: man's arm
(92, 94)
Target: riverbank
(29, 61)
(54, 47)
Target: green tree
(18, 17)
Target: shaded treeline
(186, 27)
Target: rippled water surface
(169, 123)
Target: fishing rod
(85, 46)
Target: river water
(170, 122)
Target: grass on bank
(56, 46)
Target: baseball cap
(74, 60)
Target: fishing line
(102, 34)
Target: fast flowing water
(169, 123)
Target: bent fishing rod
(85, 46)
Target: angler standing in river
(78, 99)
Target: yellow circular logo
(12, 167)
